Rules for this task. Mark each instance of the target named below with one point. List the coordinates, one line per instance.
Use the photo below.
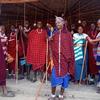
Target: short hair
(80, 26)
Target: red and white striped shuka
(66, 54)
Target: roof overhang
(17, 1)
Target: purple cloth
(2, 67)
(63, 81)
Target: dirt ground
(26, 90)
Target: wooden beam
(46, 7)
(87, 6)
(17, 1)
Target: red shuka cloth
(2, 67)
(12, 49)
(36, 52)
(12, 46)
(67, 53)
(92, 62)
(85, 29)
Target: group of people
(65, 55)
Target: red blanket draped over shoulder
(67, 54)
(12, 49)
(36, 52)
(12, 45)
(92, 62)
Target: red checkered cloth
(67, 54)
(36, 52)
(12, 47)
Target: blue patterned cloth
(98, 52)
(22, 61)
(98, 61)
(63, 81)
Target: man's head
(59, 22)
(93, 26)
(80, 29)
(26, 24)
(73, 26)
(12, 28)
(39, 24)
(84, 23)
(2, 29)
(98, 23)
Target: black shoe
(53, 98)
(33, 76)
(28, 77)
(91, 82)
(10, 77)
(20, 77)
(98, 90)
(34, 80)
(9, 94)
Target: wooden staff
(46, 61)
(86, 72)
(40, 87)
(83, 65)
(23, 47)
(16, 55)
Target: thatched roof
(46, 9)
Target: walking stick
(46, 61)
(40, 87)
(83, 65)
(86, 73)
(16, 56)
(23, 47)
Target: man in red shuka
(36, 52)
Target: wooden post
(16, 56)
